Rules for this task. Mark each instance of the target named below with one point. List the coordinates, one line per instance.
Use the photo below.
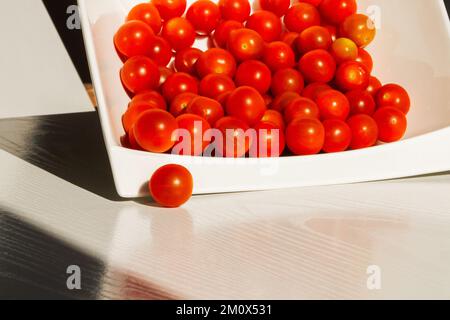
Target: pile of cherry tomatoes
(299, 70)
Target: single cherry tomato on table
(245, 44)
(204, 15)
(178, 83)
(238, 10)
(179, 32)
(318, 66)
(181, 102)
(269, 142)
(313, 38)
(140, 74)
(393, 95)
(352, 75)
(336, 11)
(278, 7)
(247, 104)
(392, 124)
(266, 23)
(301, 108)
(146, 12)
(285, 80)
(364, 131)
(254, 74)
(338, 136)
(333, 104)
(236, 142)
(359, 28)
(278, 55)
(211, 110)
(186, 59)
(305, 136)
(223, 30)
(169, 9)
(301, 16)
(216, 61)
(132, 39)
(361, 102)
(196, 126)
(214, 85)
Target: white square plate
(412, 48)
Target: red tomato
(216, 61)
(246, 104)
(140, 74)
(171, 186)
(165, 73)
(213, 85)
(352, 75)
(274, 117)
(270, 141)
(364, 131)
(343, 50)
(169, 9)
(196, 126)
(278, 55)
(149, 97)
(318, 66)
(315, 3)
(301, 16)
(313, 38)
(266, 23)
(287, 80)
(365, 58)
(312, 90)
(279, 7)
(211, 110)
(146, 12)
(338, 136)
(245, 44)
(160, 51)
(359, 28)
(236, 141)
(333, 105)
(282, 101)
(178, 83)
(393, 95)
(301, 108)
(361, 102)
(186, 59)
(223, 98)
(305, 136)
(392, 124)
(132, 143)
(237, 10)
(254, 74)
(180, 103)
(204, 16)
(374, 86)
(289, 38)
(130, 116)
(223, 30)
(332, 30)
(179, 32)
(132, 39)
(153, 130)
(336, 11)
(267, 99)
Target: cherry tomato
(266, 23)
(223, 98)
(178, 83)
(305, 136)
(270, 141)
(364, 131)
(317, 66)
(392, 124)
(186, 59)
(393, 95)
(254, 74)
(313, 89)
(165, 73)
(245, 44)
(204, 15)
(180, 103)
(140, 74)
(171, 186)
(160, 51)
(361, 102)
(282, 101)
(332, 30)
(313, 38)
(213, 85)
(359, 28)
(352, 75)
(278, 55)
(287, 80)
(216, 61)
(130, 116)
(274, 117)
(333, 105)
(236, 142)
(196, 126)
(301, 16)
(149, 97)
(336, 11)
(153, 130)
(132, 143)
(146, 12)
(132, 39)
(279, 7)
(343, 50)
(246, 104)
(267, 99)
(169, 9)
(289, 38)
(211, 110)
(315, 3)
(237, 10)
(374, 86)
(179, 32)
(338, 136)
(223, 30)
(301, 108)
(365, 58)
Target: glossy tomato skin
(140, 74)
(343, 50)
(392, 124)
(282, 100)
(361, 102)
(223, 30)
(301, 16)
(238, 10)
(338, 136)
(285, 80)
(204, 15)
(318, 66)
(169, 9)
(213, 85)
(336, 11)
(269, 142)
(149, 97)
(146, 12)
(171, 186)
(247, 104)
(274, 117)
(245, 44)
(216, 61)
(196, 126)
(236, 143)
(301, 108)
(160, 51)
(266, 23)
(181, 102)
(278, 7)
(393, 95)
(312, 90)
(254, 74)
(132, 114)
(305, 136)
(333, 105)
(313, 38)
(365, 58)
(278, 55)
(165, 73)
(186, 59)
(352, 75)
(364, 131)
(154, 130)
(179, 32)
(178, 83)
(211, 110)
(289, 38)
(374, 86)
(359, 28)
(132, 39)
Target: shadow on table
(70, 146)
